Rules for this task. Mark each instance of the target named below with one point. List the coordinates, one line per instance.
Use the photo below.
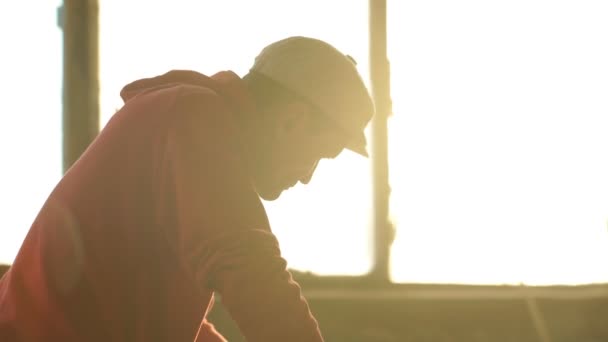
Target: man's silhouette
(163, 209)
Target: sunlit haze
(498, 140)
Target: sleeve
(207, 333)
(223, 235)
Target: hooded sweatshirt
(157, 215)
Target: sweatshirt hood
(225, 83)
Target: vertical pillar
(79, 20)
(380, 84)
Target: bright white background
(498, 139)
(30, 115)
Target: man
(163, 209)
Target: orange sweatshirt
(157, 215)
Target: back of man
(155, 216)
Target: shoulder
(202, 107)
(175, 96)
(201, 117)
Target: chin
(270, 194)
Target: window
(499, 141)
(323, 227)
(30, 134)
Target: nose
(308, 176)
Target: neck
(251, 137)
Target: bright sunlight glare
(498, 140)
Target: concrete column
(79, 20)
